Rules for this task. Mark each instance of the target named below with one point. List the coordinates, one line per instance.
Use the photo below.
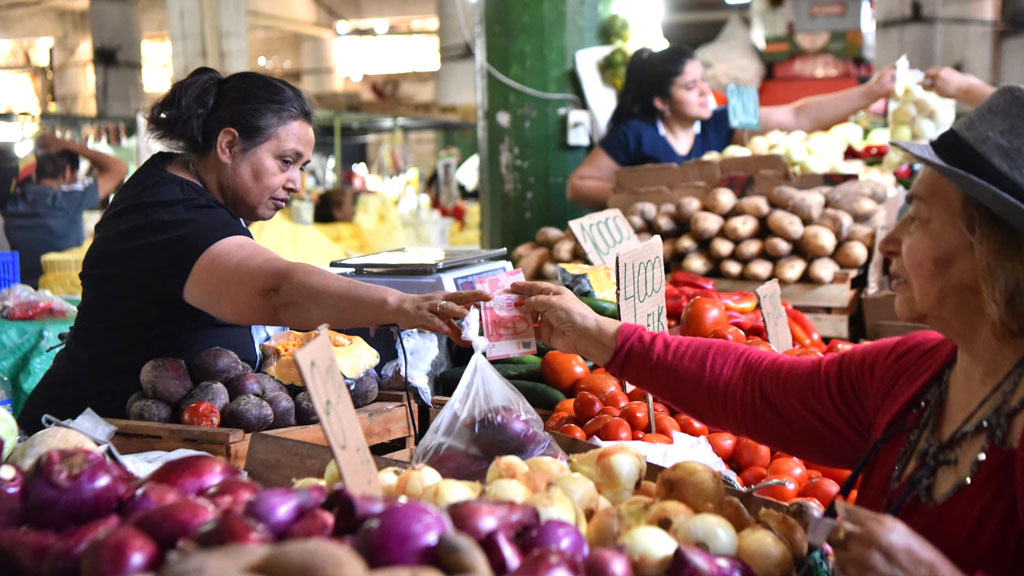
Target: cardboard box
(880, 320)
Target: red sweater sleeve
(826, 409)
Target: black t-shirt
(132, 309)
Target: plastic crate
(10, 270)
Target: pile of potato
(540, 258)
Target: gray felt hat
(983, 154)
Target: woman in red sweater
(937, 416)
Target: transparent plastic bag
(485, 417)
(21, 302)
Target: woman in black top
(173, 269)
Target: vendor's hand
(565, 323)
(867, 542)
(947, 82)
(438, 311)
(883, 82)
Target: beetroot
(305, 412)
(284, 409)
(217, 364)
(150, 410)
(165, 379)
(249, 413)
(213, 392)
(247, 383)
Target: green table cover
(23, 353)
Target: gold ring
(539, 315)
(438, 309)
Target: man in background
(45, 215)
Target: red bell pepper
(690, 293)
(675, 301)
(682, 279)
(756, 324)
(808, 327)
(837, 346)
(738, 320)
(738, 301)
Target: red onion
(607, 562)
(172, 522)
(314, 523)
(546, 563)
(478, 518)
(403, 535)
(502, 553)
(194, 474)
(506, 431)
(559, 536)
(350, 512)
(66, 554)
(11, 482)
(232, 528)
(149, 496)
(232, 494)
(125, 550)
(22, 550)
(69, 488)
(692, 561)
(278, 508)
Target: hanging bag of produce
(484, 418)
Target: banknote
(509, 331)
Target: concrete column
(317, 75)
(208, 33)
(73, 74)
(117, 56)
(456, 80)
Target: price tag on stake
(776, 322)
(330, 396)
(744, 107)
(640, 281)
(603, 234)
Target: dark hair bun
(178, 117)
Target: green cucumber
(447, 381)
(538, 395)
(605, 308)
(529, 360)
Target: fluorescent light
(23, 148)
(342, 27)
(261, 61)
(381, 26)
(737, 2)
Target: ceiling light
(342, 27)
(381, 26)
(736, 2)
(261, 61)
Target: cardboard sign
(603, 234)
(776, 323)
(744, 107)
(330, 396)
(641, 285)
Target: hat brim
(1004, 205)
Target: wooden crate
(839, 294)
(385, 420)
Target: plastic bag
(426, 358)
(21, 302)
(485, 417)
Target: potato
(869, 188)
(777, 247)
(564, 250)
(697, 262)
(739, 228)
(685, 244)
(687, 207)
(458, 553)
(808, 205)
(720, 201)
(637, 223)
(758, 270)
(822, 271)
(837, 221)
(227, 560)
(706, 225)
(668, 209)
(789, 269)
(645, 210)
(862, 233)
(311, 557)
(549, 236)
(721, 248)
(731, 269)
(549, 271)
(782, 196)
(756, 206)
(668, 251)
(860, 207)
(786, 225)
(749, 249)
(406, 571)
(818, 241)
(532, 262)
(522, 250)
(851, 254)
(665, 225)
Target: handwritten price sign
(776, 322)
(641, 285)
(744, 107)
(603, 234)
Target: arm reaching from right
(965, 88)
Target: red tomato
(788, 467)
(665, 425)
(562, 370)
(616, 398)
(701, 316)
(690, 425)
(586, 406)
(660, 408)
(750, 453)
(657, 439)
(812, 474)
(638, 395)
(593, 426)
(724, 444)
(782, 493)
(821, 489)
(759, 343)
(565, 406)
(597, 384)
(615, 429)
(671, 322)
(635, 414)
(201, 414)
(559, 419)
(638, 434)
(600, 370)
(730, 333)
(838, 474)
(780, 454)
(753, 475)
(611, 411)
(574, 431)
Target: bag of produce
(485, 417)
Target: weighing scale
(423, 270)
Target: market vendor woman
(664, 115)
(173, 269)
(937, 418)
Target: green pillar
(525, 162)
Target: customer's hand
(867, 542)
(948, 82)
(566, 324)
(883, 82)
(438, 311)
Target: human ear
(228, 143)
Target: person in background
(966, 89)
(173, 270)
(45, 215)
(335, 205)
(665, 115)
(935, 418)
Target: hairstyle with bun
(649, 74)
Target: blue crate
(10, 270)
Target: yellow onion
(307, 482)
(553, 504)
(507, 490)
(413, 481)
(616, 470)
(543, 471)
(650, 550)
(694, 484)
(763, 551)
(508, 467)
(332, 475)
(388, 478)
(736, 513)
(603, 503)
(449, 491)
(787, 528)
(604, 528)
(668, 514)
(634, 510)
(709, 532)
(648, 488)
(582, 491)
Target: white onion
(449, 491)
(709, 532)
(543, 471)
(508, 467)
(765, 552)
(388, 478)
(668, 514)
(634, 510)
(694, 484)
(616, 470)
(650, 550)
(582, 491)
(604, 528)
(553, 504)
(413, 481)
(507, 490)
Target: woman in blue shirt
(665, 115)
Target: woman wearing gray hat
(931, 422)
